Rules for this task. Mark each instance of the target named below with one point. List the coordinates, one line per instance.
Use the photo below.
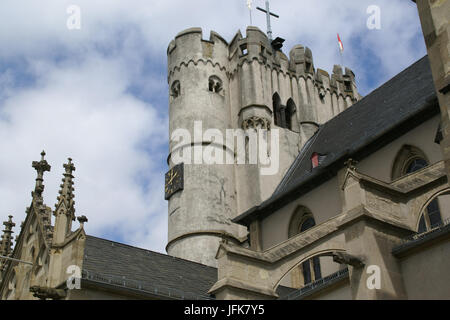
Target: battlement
(190, 47)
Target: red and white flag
(341, 46)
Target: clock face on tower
(174, 180)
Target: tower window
(244, 49)
(283, 115)
(175, 89)
(215, 84)
(348, 86)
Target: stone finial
(6, 242)
(65, 203)
(40, 166)
(351, 164)
(82, 220)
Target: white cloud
(83, 111)
(99, 94)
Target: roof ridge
(150, 251)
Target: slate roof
(149, 271)
(399, 105)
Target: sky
(99, 94)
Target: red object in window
(315, 160)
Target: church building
(358, 206)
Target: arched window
(215, 84)
(277, 110)
(290, 110)
(409, 160)
(314, 263)
(283, 115)
(431, 217)
(175, 89)
(301, 221)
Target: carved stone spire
(41, 167)
(6, 243)
(66, 195)
(65, 207)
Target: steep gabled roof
(148, 271)
(399, 105)
(148, 274)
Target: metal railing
(317, 285)
(423, 236)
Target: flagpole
(249, 5)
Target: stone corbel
(348, 259)
(45, 293)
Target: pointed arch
(309, 270)
(430, 215)
(409, 160)
(175, 89)
(404, 159)
(291, 110)
(276, 103)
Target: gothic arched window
(301, 221)
(283, 115)
(290, 110)
(175, 89)
(277, 110)
(314, 263)
(409, 160)
(431, 217)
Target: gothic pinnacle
(40, 166)
(6, 242)
(66, 195)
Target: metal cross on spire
(268, 14)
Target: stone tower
(246, 84)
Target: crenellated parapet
(252, 72)
(190, 47)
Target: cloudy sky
(99, 94)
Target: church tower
(200, 214)
(247, 84)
